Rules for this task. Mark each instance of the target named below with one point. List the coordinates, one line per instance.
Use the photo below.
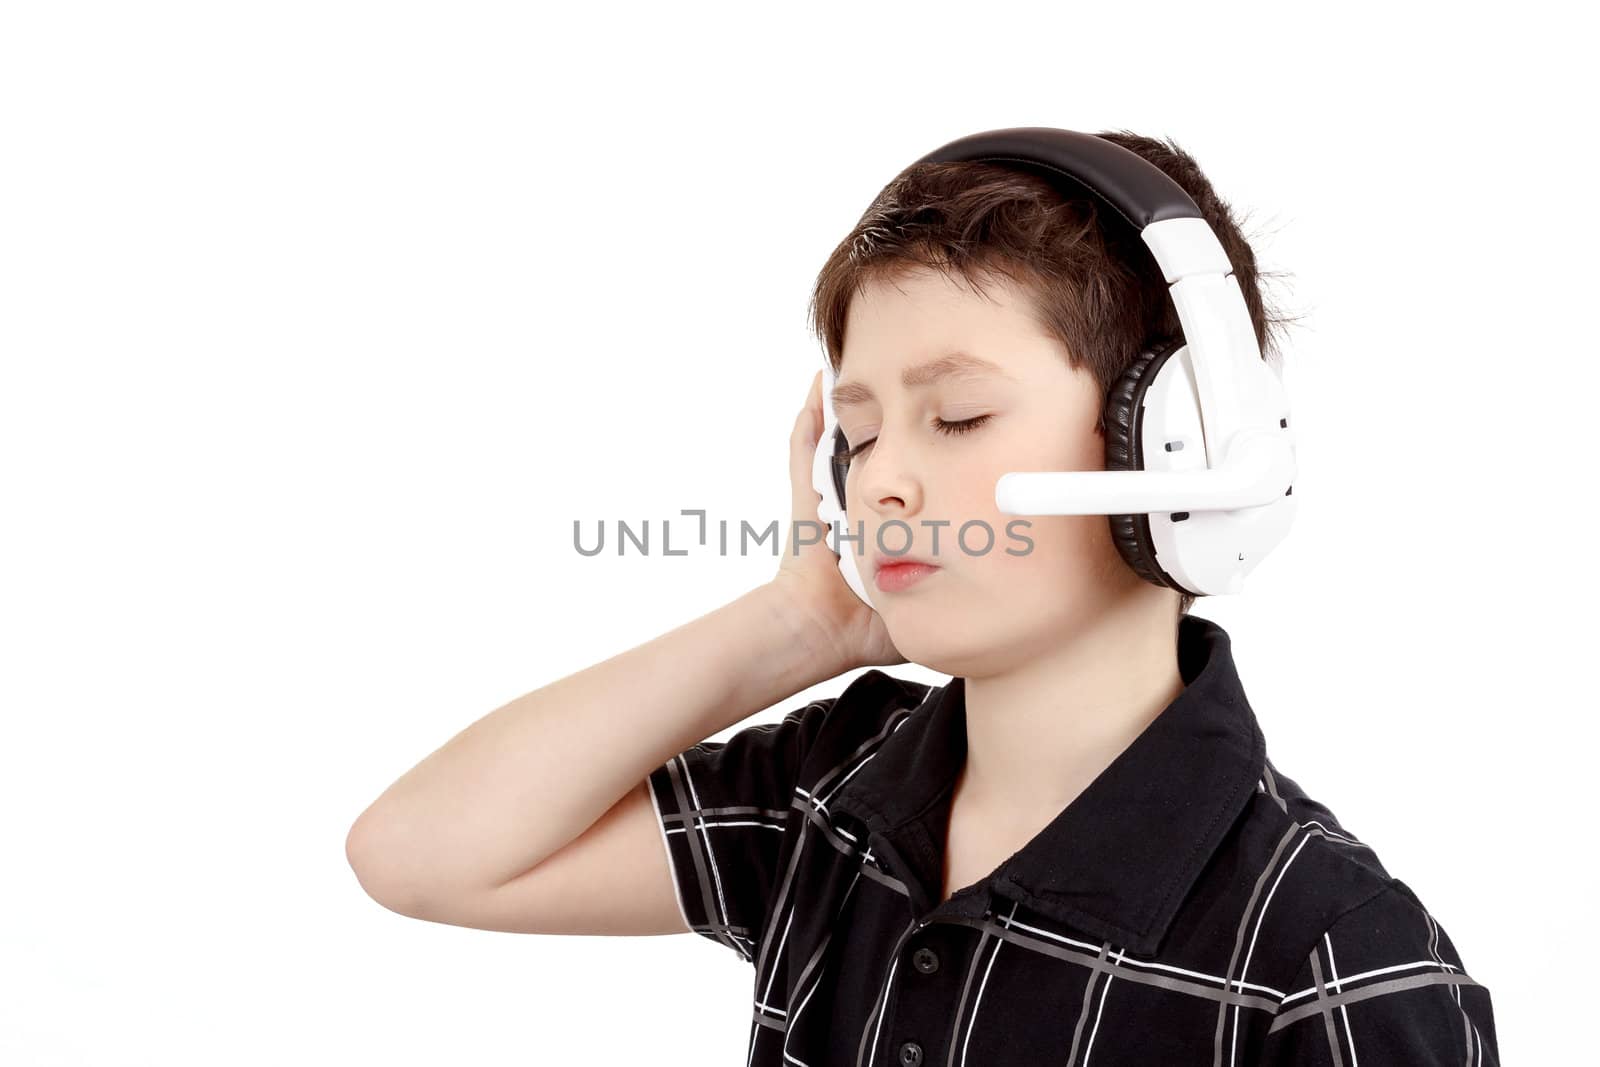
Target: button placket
(925, 959)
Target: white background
(322, 322)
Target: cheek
(1064, 441)
(1035, 445)
(1064, 547)
(1066, 551)
(1055, 549)
(1070, 557)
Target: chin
(961, 645)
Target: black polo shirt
(1191, 906)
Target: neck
(1040, 732)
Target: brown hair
(1095, 285)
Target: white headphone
(1199, 452)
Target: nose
(889, 485)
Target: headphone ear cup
(827, 481)
(1124, 422)
(839, 466)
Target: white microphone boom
(1258, 470)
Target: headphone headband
(1124, 181)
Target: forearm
(524, 780)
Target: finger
(814, 406)
(804, 434)
(802, 454)
(808, 423)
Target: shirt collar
(1119, 859)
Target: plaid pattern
(1193, 905)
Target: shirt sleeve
(1384, 986)
(725, 814)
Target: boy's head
(1060, 295)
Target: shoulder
(1285, 873)
(824, 729)
(873, 702)
(876, 689)
(1399, 985)
(870, 703)
(1318, 885)
(842, 730)
(1328, 867)
(820, 733)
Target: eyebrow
(923, 374)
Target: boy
(1077, 850)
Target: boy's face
(984, 608)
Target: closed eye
(940, 425)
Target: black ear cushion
(840, 465)
(1124, 419)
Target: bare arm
(536, 817)
(511, 790)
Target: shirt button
(926, 960)
(910, 1054)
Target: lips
(881, 560)
(895, 574)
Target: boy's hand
(811, 580)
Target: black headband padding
(1137, 189)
